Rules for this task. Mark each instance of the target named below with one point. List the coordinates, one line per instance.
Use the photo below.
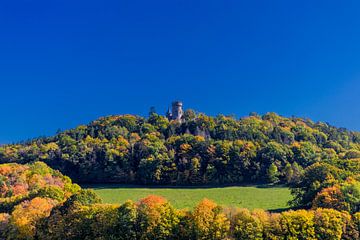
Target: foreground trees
(28, 194)
(154, 218)
(40, 203)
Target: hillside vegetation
(201, 150)
(320, 163)
(28, 193)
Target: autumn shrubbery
(28, 193)
(83, 217)
(49, 206)
(154, 218)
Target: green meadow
(265, 197)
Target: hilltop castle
(176, 112)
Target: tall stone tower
(176, 111)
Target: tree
(331, 197)
(351, 192)
(247, 226)
(298, 225)
(127, 221)
(289, 173)
(189, 115)
(329, 224)
(156, 218)
(25, 216)
(208, 221)
(272, 173)
(84, 197)
(315, 178)
(342, 197)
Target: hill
(319, 162)
(199, 149)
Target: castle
(176, 112)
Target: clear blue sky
(65, 63)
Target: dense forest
(198, 150)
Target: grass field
(270, 198)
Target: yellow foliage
(25, 215)
(298, 224)
(209, 222)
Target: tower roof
(168, 111)
(177, 103)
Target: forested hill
(200, 150)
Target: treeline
(199, 150)
(83, 217)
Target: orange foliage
(36, 181)
(25, 215)
(152, 201)
(5, 170)
(203, 213)
(209, 222)
(330, 197)
(185, 147)
(19, 189)
(3, 190)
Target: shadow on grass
(270, 186)
(279, 210)
(117, 186)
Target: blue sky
(65, 63)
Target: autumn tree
(329, 224)
(298, 225)
(247, 226)
(25, 216)
(156, 218)
(209, 222)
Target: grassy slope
(270, 198)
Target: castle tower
(177, 111)
(169, 114)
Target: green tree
(272, 173)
